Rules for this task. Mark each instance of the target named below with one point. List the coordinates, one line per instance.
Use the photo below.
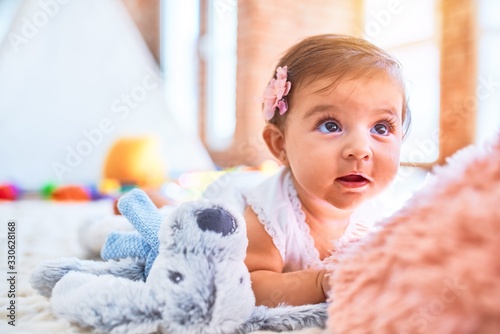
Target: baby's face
(343, 145)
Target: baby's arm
(270, 285)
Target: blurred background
(151, 89)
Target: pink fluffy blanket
(434, 266)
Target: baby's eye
(329, 127)
(381, 129)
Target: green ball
(48, 189)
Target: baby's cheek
(389, 165)
(394, 158)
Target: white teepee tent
(75, 76)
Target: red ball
(8, 192)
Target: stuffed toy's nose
(217, 220)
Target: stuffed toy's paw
(45, 276)
(286, 318)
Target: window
(488, 81)
(179, 56)
(198, 40)
(219, 54)
(398, 27)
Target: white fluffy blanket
(45, 230)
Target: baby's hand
(325, 282)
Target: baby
(336, 115)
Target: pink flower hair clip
(275, 93)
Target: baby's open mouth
(353, 180)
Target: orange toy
(71, 193)
(138, 161)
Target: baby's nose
(357, 146)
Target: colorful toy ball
(8, 192)
(71, 193)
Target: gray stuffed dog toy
(184, 273)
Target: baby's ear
(275, 141)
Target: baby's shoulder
(273, 187)
(273, 197)
(231, 186)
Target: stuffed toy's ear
(120, 245)
(138, 208)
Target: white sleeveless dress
(275, 201)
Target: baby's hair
(337, 57)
